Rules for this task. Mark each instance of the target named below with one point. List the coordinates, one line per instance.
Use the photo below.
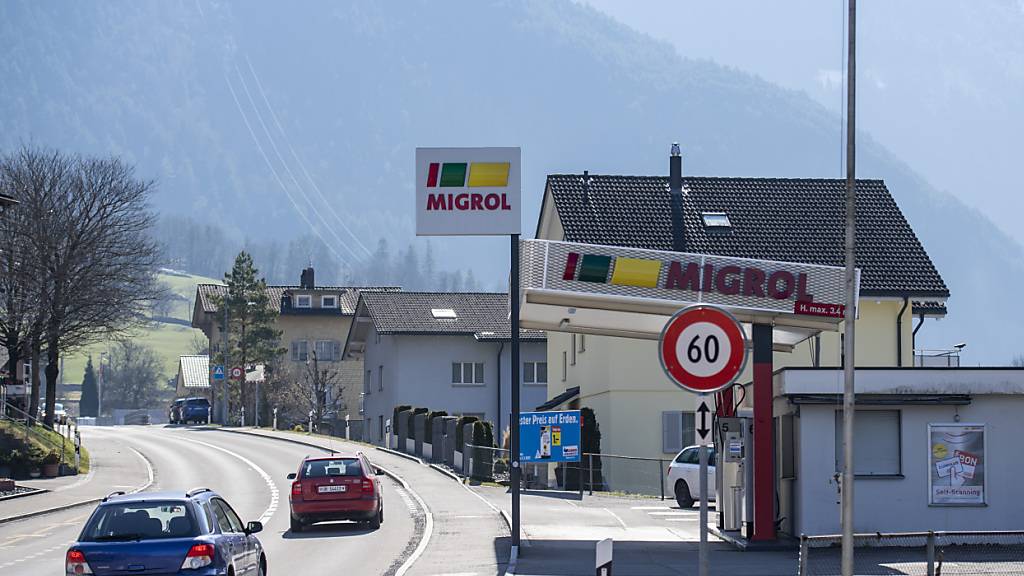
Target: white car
(684, 476)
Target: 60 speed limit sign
(703, 349)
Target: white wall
(901, 504)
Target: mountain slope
(239, 109)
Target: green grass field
(168, 340)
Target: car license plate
(325, 489)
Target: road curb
(33, 492)
(428, 516)
(416, 459)
(152, 479)
(447, 473)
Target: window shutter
(689, 431)
(337, 351)
(671, 432)
(456, 373)
(295, 351)
(478, 373)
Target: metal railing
(917, 553)
(624, 474)
(939, 358)
(33, 427)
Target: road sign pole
(703, 553)
(514, 313)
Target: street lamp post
(99, 390)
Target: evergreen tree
(253, 337)
(380, 262)
(429, 271)
(89, 404)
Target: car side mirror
(254, 527)
(378, 471)
(291, 476)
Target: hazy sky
(940, 83)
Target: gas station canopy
(631, 292)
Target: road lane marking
(149, 472)
(616, 516)
(671, 513)
(650, 507)
(274, 493)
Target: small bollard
(275, 418)
(243, 416)
(603, 558)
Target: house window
(380, 378)
(677, 431)
(300, 350)
(716, 220)
(303, 301)
(328, 301)
(535, 372)
(467, 372)
(380, 426)
(328, 350)
(879, 442)
(366, 382)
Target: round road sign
(702, 349)
(236, 373)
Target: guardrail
(917, 553)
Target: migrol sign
(468, 191)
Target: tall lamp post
(99, 389)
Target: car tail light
(296, 488)
(75, 563)
(199, 556)
(368, 488)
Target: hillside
(170, 338)
(273, 120)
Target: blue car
(195, 410)
(176, 533)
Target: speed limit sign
(703, 349)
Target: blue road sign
(218, 372)
(549, 436)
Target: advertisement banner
(956, 464)
(549, 436)
(468, 191)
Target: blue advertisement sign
(549, 436)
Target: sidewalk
(468, 537)
(113, 467)
(651, 537)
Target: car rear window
(140, 521)
(333, 467)
(198, 402)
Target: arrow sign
(704, 429)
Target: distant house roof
(790, 220)
(349, 295)
(483, 315)
(194, 371)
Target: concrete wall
(417, 371)
(901, 503)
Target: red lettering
(727, 280)
(491, 201)
(707, 277)
(476, 202)
(678, 279)
(436, 202)
(801, 289)
(504, 202)
(462, 202)
(753, 282)
(773, 285)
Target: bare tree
(133, 378)
(317, 389)
(1018, 361)
(87, 246)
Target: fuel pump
(734, 471)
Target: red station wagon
(336, 487)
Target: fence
(624, 474)
(917, 554)
(28, 426)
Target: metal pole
(931, 553)
(227, 366)
(661, 477)
(703, 481)
(516, 471)
(851, 296)
(803, 554)
(590, 465)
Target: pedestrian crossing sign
(218, 372)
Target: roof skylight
(716, 220)
(443, 313)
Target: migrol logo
(467, 175)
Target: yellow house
(640, 412)
(312, 319)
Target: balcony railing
(948, 358)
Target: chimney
(306, 281)
(675, 189)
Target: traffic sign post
(703, 349)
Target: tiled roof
(562, 398)
(477, 314)
(928, 308)
(791, 220)
(195, 371)
(346, 304)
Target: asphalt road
(251, 474)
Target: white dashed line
(274, 493)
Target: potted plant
(51, 464)
(6, 465)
